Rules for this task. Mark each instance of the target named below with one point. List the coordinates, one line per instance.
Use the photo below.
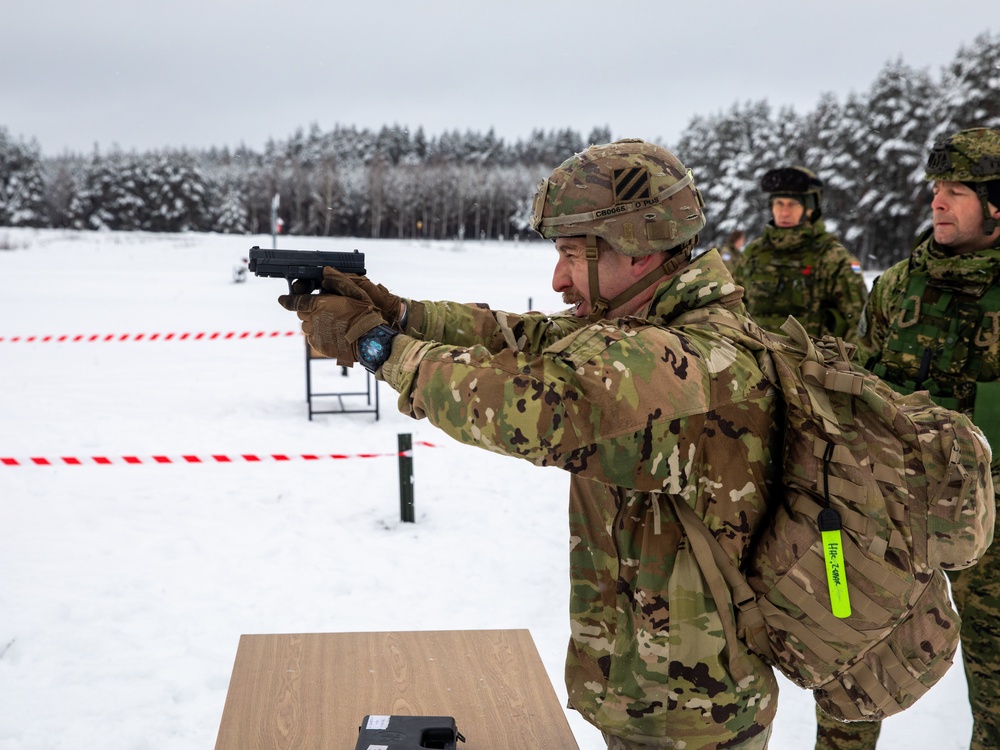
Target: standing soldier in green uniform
(642, 412)
(933, 322)
(732, 247)
(798, 268)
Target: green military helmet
(966, 156)
(794, 182)
(973, 157)
(636, 196)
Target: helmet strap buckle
(598, 305)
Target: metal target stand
(370, 393)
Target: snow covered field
(124, 588)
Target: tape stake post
(833, 556)
(405, 443)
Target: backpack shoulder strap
(725, 583)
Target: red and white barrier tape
(217, 336)
(250, 458)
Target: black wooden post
(405, 478)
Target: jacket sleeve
(882, 305)
(741, 267)
(611, 404)
(847, 297)
(469, 324)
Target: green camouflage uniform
(834, 735)
(955, 340)
(633, 409)
(730, 255)
(802, 271)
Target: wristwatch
(375, 347)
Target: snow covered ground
(124, 588)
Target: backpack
(880, 493)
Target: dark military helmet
(794, 182)
(634, 195)
(972, 157)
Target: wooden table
(311, 691)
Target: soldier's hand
(361, 287)
(333, 323)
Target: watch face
(375, 346)
(371, 349)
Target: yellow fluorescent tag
(833, 556)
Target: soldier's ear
(644, 263)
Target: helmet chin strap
(599, 306)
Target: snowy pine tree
(22, 185)
(232, 216)
(892, 199)
(107, 197)
(175, 195)
(728, 154)
(969, 95)
(829, 136)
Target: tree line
(869, 150)
(344, 182)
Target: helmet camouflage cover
(966, 156)
(636, 196)
(971, 156)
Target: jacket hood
(938, 262)
(703, 282)
(787, 238)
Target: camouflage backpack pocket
(955, 459)
(901, 668)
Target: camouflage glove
(333, 323)
(391, 306)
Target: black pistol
(305, 266)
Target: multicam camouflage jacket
(933, 322)
(634, 409)
(802, 271)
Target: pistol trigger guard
(303, 286)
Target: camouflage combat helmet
(972, 157)
(634, 195)
(794, 182)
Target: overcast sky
(149, 74)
